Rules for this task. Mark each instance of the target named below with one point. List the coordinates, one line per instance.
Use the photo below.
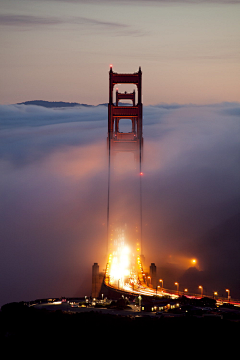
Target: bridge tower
(131, 141)
(116, 112)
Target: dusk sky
(53, 162)
(61, 50)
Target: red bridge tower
(131, 141)
(116, 112)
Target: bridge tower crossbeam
(116, 112)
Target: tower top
(111, 71)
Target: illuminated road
(144, 290)
(147, 291)
(123, 275)
(124, 271)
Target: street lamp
(139, 301)
(201, 288)
(215, 294)
(228, 291)
(149, 277)
(176, 283)
(161, 281)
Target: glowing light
(124, 268)
(194, 261)
(141, 173)
(120, 266)
(228, 291)
(177, 284)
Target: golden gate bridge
(125, 271)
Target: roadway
(143, 290)
(147, 291)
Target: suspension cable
(108, 200)
(140, 168)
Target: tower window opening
(125, 126)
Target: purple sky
(61, 50)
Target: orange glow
(124, 267)
(72, 165)
(183, 261)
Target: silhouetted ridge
(61, 104)
(52, 104)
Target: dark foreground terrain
(24, 329)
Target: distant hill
(53, 104)
(61, 104)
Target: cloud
(232, 110)
(36, 130)
(27, 21)
(54, 173)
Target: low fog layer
(54, 172)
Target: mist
(54, 180)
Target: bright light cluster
(119, 266)
(124, 267)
